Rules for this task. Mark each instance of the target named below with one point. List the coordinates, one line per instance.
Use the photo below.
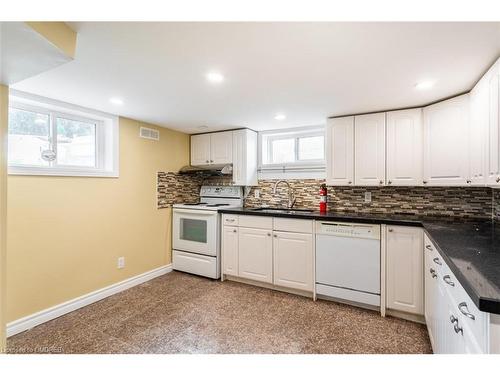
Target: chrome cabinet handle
(349, 182)
(498, 179)
(269, 234)
(381, 182)
(458, 329)
(424, 182)
(447, 280)
(390, 230)
(437, 261)
(433, 273)
(211, 161)
(234, 230)
(389, 182)
(462, 306)
(453, 319)
(428, 247)
(468, 181)
(206, 161)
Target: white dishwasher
(348, 262)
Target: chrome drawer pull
(464, 310)
(447, 280)
(453, 319)
(458, 329)
(428, 247)
(437, 261)
(433, 273)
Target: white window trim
(299, 169)
(107, 137)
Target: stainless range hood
(223, 170)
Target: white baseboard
(53, 312)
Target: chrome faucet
(291, 196)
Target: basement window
(292, 153)
(47, 137)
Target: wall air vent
(149, 133)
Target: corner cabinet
(369, 150)
(244, 157)
(446, 148)
(404, 269)
(404, 147)
(340, 151)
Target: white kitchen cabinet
(212, 149)
(293, 260)
(230, 250)
(404, 270)
(492, 82)
(200, 149)
(244, 157)
(404, 147)
(446, 151)
(479, 107)
(221, 148)
(369, 149)
(340, 151)
(255, 254)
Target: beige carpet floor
(181, 313)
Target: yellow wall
(4, 104)
(66, 233)
(58, 33)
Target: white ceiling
(308, 71)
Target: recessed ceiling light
(116, 101)
(203, 127)
(424, 85)
(215, 77)
(280, 117)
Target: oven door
(195, 231)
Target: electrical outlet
(256, 193)
(121, 262)
(368, 197)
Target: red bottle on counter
(322, 198)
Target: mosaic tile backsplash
(459, 202)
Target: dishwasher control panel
(371, 231)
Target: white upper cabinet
(340, 151)
(221, 148)
(244, 157)
(200, 149)
(404, 147)
(479, 107)
(212, 149)
(492, 79)
(369, 149)
(446, 151)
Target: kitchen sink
(282, 210)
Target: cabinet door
(479, 107)
(244, 157)
(340, 151)
(221, 148)
(369, 149)
(255, 255)
(446, 154)
(405, 284)
(293, 260)
(404, 147)
(493, 160)
(200, 149)
(230, 250)
(430, 294)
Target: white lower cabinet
(230, 245)
(293, 260)
(454, 322)
(255, 254)
(404, 270)
(277, 251)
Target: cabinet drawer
(228, 219)
(254, 221)
(293, 225)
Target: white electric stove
(196, 230)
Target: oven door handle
(182, 211)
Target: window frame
(106, 137)
(313, 168)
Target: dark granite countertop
(470, 248)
